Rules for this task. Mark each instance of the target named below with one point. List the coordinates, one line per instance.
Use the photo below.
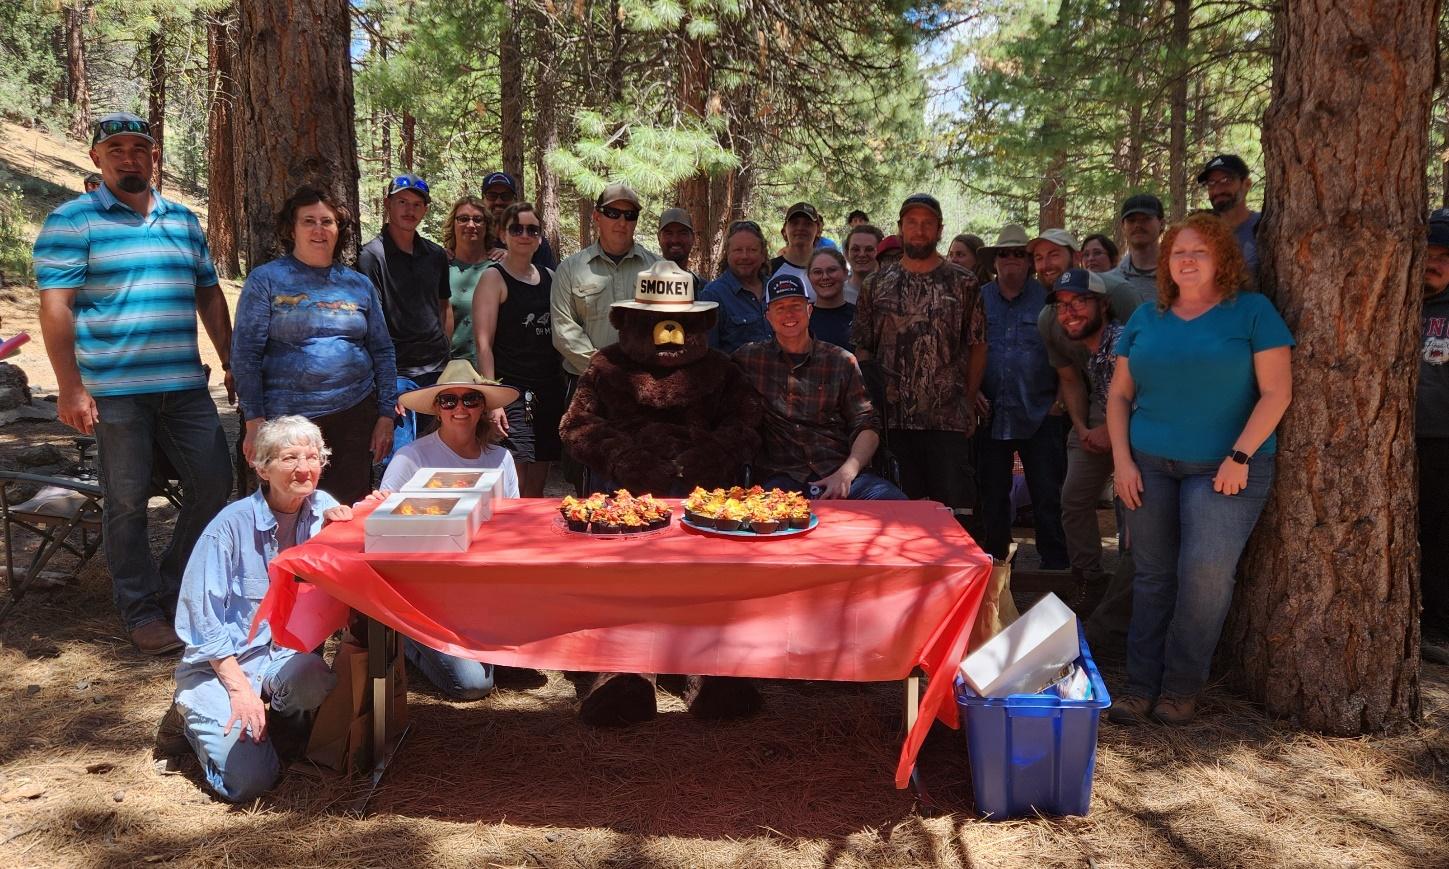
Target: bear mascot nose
(668, 332)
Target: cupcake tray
(561, 526)
(747, 534)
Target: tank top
(523, 351)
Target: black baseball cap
(499, 178)
(1226, 162)
(784, 286)
(1439, 228)
(922, 200)
(804, 208)
(1142, 203)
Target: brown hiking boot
(171, 738)
(1175, 710)
(155, 638)
(1129, 710)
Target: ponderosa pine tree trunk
(1326, 623)
(691, 99)
(77, 90)
(156, 99)
(221, 163)
(1177, 145)
(510, 87)
(294, 82)
(546, 121)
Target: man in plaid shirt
(820, 428)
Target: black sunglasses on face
(470, 218)
(615, 213)
(521, 229)
(120, 125)
(1011, 254)
(448, 401)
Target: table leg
(383, 649)
(924, 803)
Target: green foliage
(30, 72)
(15, 236)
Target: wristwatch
(1240, 457)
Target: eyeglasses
(614, 213)
(449, 401)
(1075, 303)
(532, 230)
(1221, 181)
(408, 182)
(471, 218)
(115, 126)
(290, 461)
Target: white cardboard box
(1024, 658)
(487, 482)
(424, 522)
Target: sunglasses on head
(115, 126)
(744, 224)
(408, 182)
(448, 400)
(532, 230)
(614, 213)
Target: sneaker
(155, 638)
(1129, 711)
(171, 738)
(1175, 710)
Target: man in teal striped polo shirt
(123, 274)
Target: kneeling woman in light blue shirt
(1203, 377)
(233, 691)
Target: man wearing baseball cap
(1225, 180)
(1432, 432)
(411, 276)
(1020, 395)
(123, 274)
(801, 230)
(1141, 222)
(499, 191)
(820, 429)
(919, 325)
(603, 273)
(676, 239)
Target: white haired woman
(234, 692)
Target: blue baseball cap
(1077, 282)
(1439, 228)
(784, 286)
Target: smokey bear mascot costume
(661, 412)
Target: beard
(132, 183)
(918, 251)
(1224, 203)
(1092, 326)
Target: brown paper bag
(342, 730)
(998, 610)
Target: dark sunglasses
(470, 218)
(115, 126)
(614, 213)
(1011, 254)
(408, 182)
(448, 401)
(532, 230)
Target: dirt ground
(515, 781)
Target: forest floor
(515, 780)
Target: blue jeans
(1044, 459)
(865, 487)
(237, 768)
(1186, 541)
(185, 426)
(457, 678)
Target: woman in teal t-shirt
(1202, 379)
(466, 233)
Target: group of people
(880, 368)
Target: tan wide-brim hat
(666, 288)
(1011, 235)
(459, 374)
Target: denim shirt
(1020, 381)
(310, 341)
(224, 583)
(741, 317)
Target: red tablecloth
(877, 589)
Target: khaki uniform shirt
(584, 287)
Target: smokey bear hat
(666, 288)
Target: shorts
(533, 422)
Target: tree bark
(1052, 192)
(1326, 624)
(546, 127)
(221, 162)
(692, 88)
(295, 85)
(510, 86)
(409, 140)
(156, 99)
(77, 91)
(1177, 147)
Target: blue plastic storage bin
(1033, 752)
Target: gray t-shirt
(1431, 414)
(1122, 300)
(286, 530)
(1142, 281)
